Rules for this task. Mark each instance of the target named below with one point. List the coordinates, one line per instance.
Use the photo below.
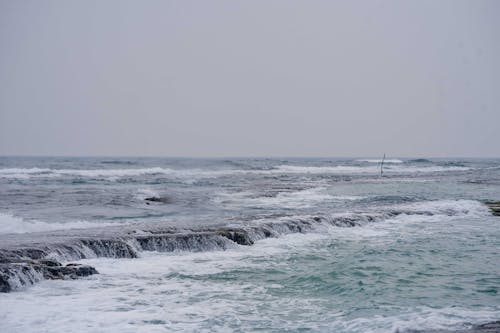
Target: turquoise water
(435, 265)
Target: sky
(250, 78)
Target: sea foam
(17, 225)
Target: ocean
(249, 244)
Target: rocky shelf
(28, 258)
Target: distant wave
(117, 162)
(368, 169)
(90, 173)
(24, 173)
(113, 174)
(420, 160)
(17, 225)
(380, 161)
(339, 169)
(293, 199)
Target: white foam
(339, 169)
(16, 225)
(295, 199)
(24, 173)
(449, 207)
(415, 169)
(422, 319)
(193, 174)
(372, 169)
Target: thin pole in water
(382, 166)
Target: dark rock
(164, 200)
(494, 206)
(239, 236)
(49, 262)
(493, 327)
(71, 271)
(4, 283)
(77, 270)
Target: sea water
(433, 265)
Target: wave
(339, 169)
(420, 160)
(396, 161)
(129, 241)
(39, 172)
(448, 207)
(109, 174)
(294, 199)
(118, 162)
(426, 319)
(25, 173)
(367, 170)
(10, 224)
(194, 174)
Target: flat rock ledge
(26, 259)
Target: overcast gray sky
(250, 78)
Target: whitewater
(248, 244)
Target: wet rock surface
(18, 274)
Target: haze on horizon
(250, 78)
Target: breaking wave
(380, 161)
(374, 169)
(393, 166)
(10, 224)
(293, 199)
(131, 241)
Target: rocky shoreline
(28, 258)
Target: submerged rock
(164, 200)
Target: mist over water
(336, 245)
